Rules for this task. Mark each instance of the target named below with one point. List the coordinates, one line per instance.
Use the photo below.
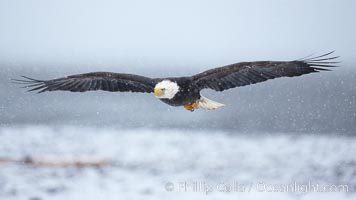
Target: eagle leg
(191, 107)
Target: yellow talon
(191, 107)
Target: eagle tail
(208, 104)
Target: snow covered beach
(174, 164)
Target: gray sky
(48, 39)
(145, 34)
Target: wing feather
(246, 73)
(106, 81)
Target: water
(315, 103)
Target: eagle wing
(105, 81)
(246, 73)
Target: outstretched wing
(106, 81)
(246, 73)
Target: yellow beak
(158, 92)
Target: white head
(166, 89)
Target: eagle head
(166, 89)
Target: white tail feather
(208, 104)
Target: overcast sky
(171, 34)
(48, 39)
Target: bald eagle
(185, 91)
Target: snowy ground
(175, 164)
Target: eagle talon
(191, 107)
